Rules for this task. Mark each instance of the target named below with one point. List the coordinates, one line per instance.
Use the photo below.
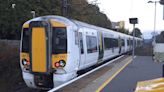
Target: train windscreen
(25, 40)
(59, 40)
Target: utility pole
(133, 40)
(155, 4)
(162, 3)
(33, 14)
(14, 26)
(64, 8)
(133, 21)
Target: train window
(131, 42)
(110, 43)
(123, 42)
(115, 42)
(25, 40)
(107, 43)
(59, 40)
(76, 38)
(135, 43)
(91, 44)
(138, 42)
(81, 42)
(128, 42)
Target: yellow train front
(45, 51)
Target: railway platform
(142, 68)
(120, 76)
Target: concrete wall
(14, 43)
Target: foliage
(123, 30)
(137, 32)
(160, 37)
(12, 19)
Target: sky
(122, 10)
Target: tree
(137, 32)
(12, 19)
(161, 2)
(160, 38)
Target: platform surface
(142, 68)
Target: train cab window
(25, 40)
(91, 44)
(81, 43)
(59, 41)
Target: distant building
(118, 25)
(122, 24)
(115, 25)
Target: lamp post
(33, 14)
(14, 20)
(155, 4)
(13, 5)
(133, 21)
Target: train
(54, 48)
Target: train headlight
(25, 62)
(62, 63)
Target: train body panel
(69, 45)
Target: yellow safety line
(108, 80)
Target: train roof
(78, 23)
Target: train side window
(108, 42)
(115, 43)
(76, 38)
(91, 44)
(25, 40)
(81, 43)
(59, 40)
(123, 42)
(131, 42)
(128, 42)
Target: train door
(126, 44)
(81, 43)
(119, 44)
(100, 46)
(123, 44)
(91, 47)
(39, 46)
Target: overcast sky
(118, 10)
